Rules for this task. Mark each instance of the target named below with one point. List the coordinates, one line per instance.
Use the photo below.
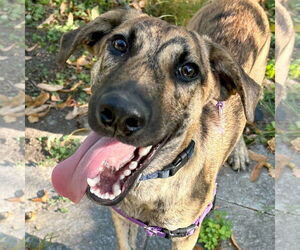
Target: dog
(164, 96)
(284, 46)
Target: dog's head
(149, 85)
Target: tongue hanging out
(101, 163)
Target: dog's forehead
(157, 31)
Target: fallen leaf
(33, 119)
(41, 114)
(20, 25)
(7, 48)
(43, 198)
(87, 90)
(55, 98)
(296, 172)
(63, 7)
(50, 87)
(4, 100)
(70, 102)
(74, 87)
(197, 247)
(70, 20)
(95, 13)
(11, 110)
(32, 47)
(28, 58)
(30, 216)
(18, 99)
(38, 101)
(49, 20)
(32, 110)
(234, 242)
(20, 85)
(281, 162)
(261, 162)
(296, 144)
(9, 119)
(72, 114)
(272, 144)
(16, 199)
(2, 58)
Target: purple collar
(166, 233)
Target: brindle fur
(184, 110)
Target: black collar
(172, 168)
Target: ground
(53, 222)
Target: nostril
(107, 117)
(133, 124)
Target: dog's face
(151, 81)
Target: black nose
(127, 115)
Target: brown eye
(188, 72)
(120, 45)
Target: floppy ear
(233, 79)
(89, 34)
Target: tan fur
(177, 201)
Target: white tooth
(133, 165)
(93, 190)
(127, 172)
(144, 151)
(111, 197)
(93, 182)
(98, 193)
(122, 176)
(116, 189)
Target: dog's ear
(91, 33)
(233, 79)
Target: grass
(59, 149)
(214, 229)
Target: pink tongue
(69, 177)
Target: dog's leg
(239, 158)
(187, 243)
(126, 232)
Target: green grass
(59, 148)
(214, 229)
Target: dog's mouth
(103, 168)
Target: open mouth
(112, 183)
(103, 168)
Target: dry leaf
(41, 114)
(197, 247)
(281, 162)
(32, 47)
(296, 172)
(28, 58)
(2, 58)
(4, 100)
(55, 98)
(38, 101)
(261, 162)
(9, 119)
(63, 7)
(296, 144)
(33, 119)
(7, 48)
(68, 103)
(50, 87)
(272, 144)
(16, 199)
(234, 242)
(70, 20)
(72, 114)
(33, 110)
(30, 216)
(49, 20)
(87, 90)
(74, 87)
(10, 110)
(20, 85)
(43, 198)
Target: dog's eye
(120, 45)
(188, 72)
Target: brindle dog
(166, 80)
